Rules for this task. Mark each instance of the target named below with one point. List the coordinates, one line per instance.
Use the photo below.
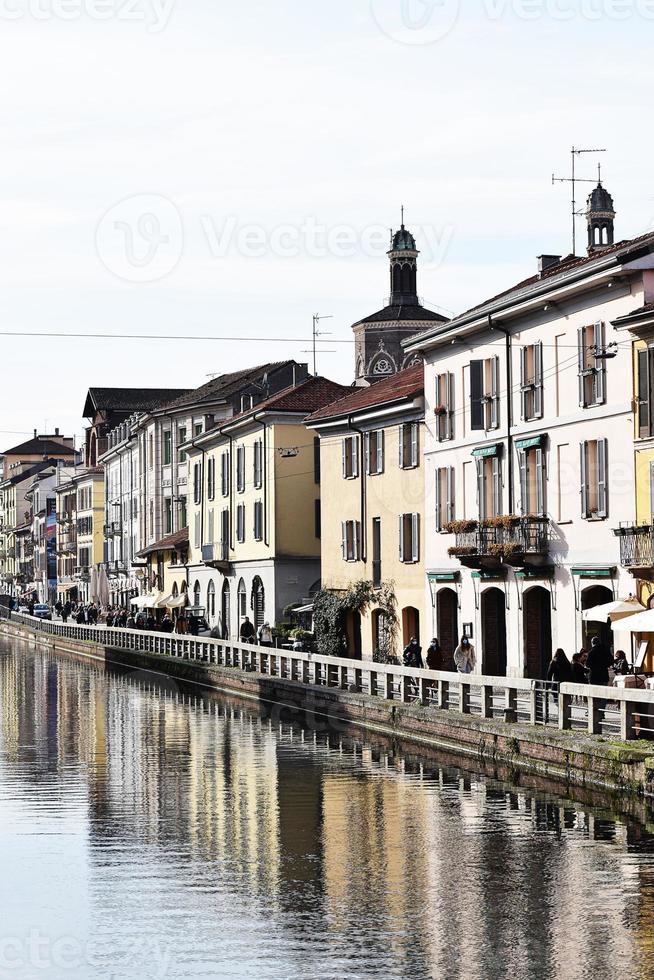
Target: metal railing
(636, 545)
(528, 535)
(624, 713)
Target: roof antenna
(403, 216)
(574, 180)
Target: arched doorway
(447, 625)
(242, 603)
(211, 603)
(197, 592)
(596, 595)
(493, 633)
(226, 611)
(537, 632)
(382, 635)
(410, 624)
(258, 602)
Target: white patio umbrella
(93, 588)
(610, 611)
(640, 623)
(103, 588)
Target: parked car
(197, 614)
(42, 611)
(24, 609)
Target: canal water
(152, 831)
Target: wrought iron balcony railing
(515, 540)
(636, 545)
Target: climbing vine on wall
(330, 610)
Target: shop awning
(303, 609)
(443, 576)
(488, 450)
(145, 601)
(594, 572)
(609, 611)
(530, 442)
(640, 623)
(176, 601)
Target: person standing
(247, 631)
(465, 658)
(65, 612)
(598, 663)
(434, 655)
(559, 670)
(579, 675)
(264, 635)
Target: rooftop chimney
(57, 431)
(35, 433)
(546, 262)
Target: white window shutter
(480, 486)
(581, 359)
(401, 537)
(414, 444)
(401, 445)
(355, 456)
(357, 540)
(584, 478)
(415, 535)
(538, 380)
(450, 406)
(602, 478)
(523, 382)
(344, 540)
(366, 452)
(451, 498)
(439, 505)
(380, 451)
(497, 486)
(540, 482)
(600, 366)
(344, 458)
(524, 503)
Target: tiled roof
(31, 471)
(128, 399)
(402, 313)
(225, 385)
(44, 447)
(404, 384)
(307, 397)
(169, 543)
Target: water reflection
(148, 831)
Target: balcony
(216, 555)
(507, 540)
(637, 547)
(113, 528)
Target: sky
(219, 170)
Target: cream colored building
(373, 506)
(254, 509)
(80, 530)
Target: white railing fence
(623, 713)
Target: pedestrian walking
(579, 675)
(598, 662)
(66, 611)
(559, 670)
(264, 635)
(465, 659)
(434, 655)
(413, 654)
(247, 631)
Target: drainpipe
(509, 408)
(362, 474)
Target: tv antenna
(318, 333)
(574, 180)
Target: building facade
(254, 513)
(529, 461)
(80, 515)
(373, 515)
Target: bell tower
(403, 257)
(600, 215)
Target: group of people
(588, 666)
(249, 634)
(79, 612)
(464, 656)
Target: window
(211, 601)
(317, 519)
(197, 429)
(247, 402)
(531, 382)
(258, 468)
(258, 521)
(196, 594)
(444, 496)
(645, 386)
(489, 486)
(197, 483)
(181, 439)
(409, 538)
(197, 527)
(224, 474)
(211, 478)
(240, 523)
(316, 459)
(444, 408)
(151, 517)
(592, 372)
(485, 393)
(350, 458)
(210, 527)
(351, 540)
(151, 450)
(409, 445)
(84, 558)
(224, 534)
(240, 469)
(594, 485)
(532, 480)
(374, 449)
(168, 515)
(167, 447)
(183, 516)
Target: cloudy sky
(210, 169)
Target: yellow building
(254, 509)
(80, 530)
(373, 495)
(165, 575)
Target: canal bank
(569, 757)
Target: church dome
(403, 241)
